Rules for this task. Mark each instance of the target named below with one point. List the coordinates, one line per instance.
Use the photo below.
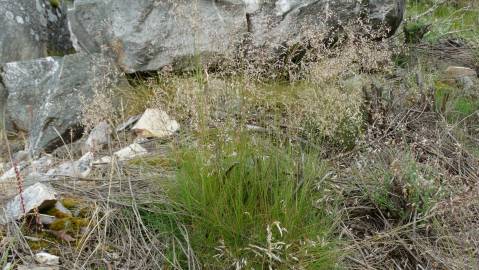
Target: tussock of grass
(248, 203)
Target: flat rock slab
(45, 96)
(131, 151)
(78, 168)
(36, 196)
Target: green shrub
(402, 189)
(447, 17)
(55, 3)
(415, 31)
(454, 103)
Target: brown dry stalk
(18, 177)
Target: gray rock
(467, 83)
(102, 161)
(11, 174)
(37, 267)
(155, 123)
(125, 126)
(21, 156)
(36, 177)
(31, 171)
(70, 151)
(285, 22)
(23, 34)
(456, 72)
(59, 41)
(36, 196)
(46, 219)
(41, 165)
(45, 96)
(387, 13)
(98, 138)
(148, 34)
(45, 258)
(62, 209)
(131, 151)
(8, 266)
(32, 28)
(78, 168)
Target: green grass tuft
(250, 203)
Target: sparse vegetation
(364, 156)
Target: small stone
(466, 83)
(10, 173)
(37, 267)
(128, 123)
(41, 165)
(454, 72)
(36, 167)
(255, 128)
(47, 259)
(46, 219)
(35, 177)
(155, 123)
(141, 140)
(36, 196)
(79, 168)
(98, 138)
(62, 209)
(21, 156)
(70, 151)
(103, 160)
(131, 151)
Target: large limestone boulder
(149, 34)
(45, 96)
(23, 30)
(144, 35)
(32, 29)
(285, 22)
